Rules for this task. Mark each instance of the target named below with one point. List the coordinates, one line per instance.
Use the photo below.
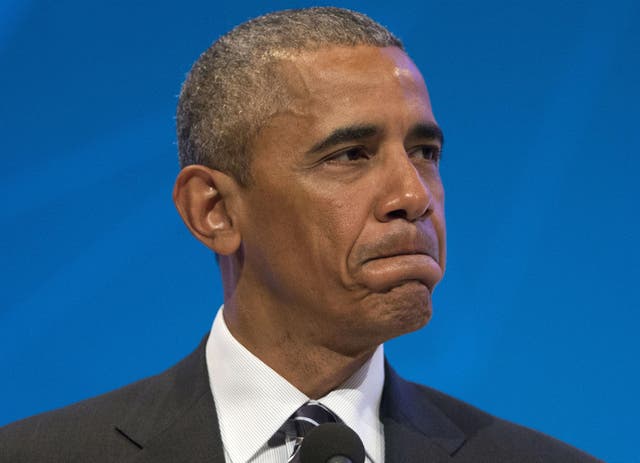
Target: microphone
(332, 443)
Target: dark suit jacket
(171, 418)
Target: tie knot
(309, 416)
(303, 420)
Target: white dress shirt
(253, 401)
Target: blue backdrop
(537, 318)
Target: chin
(401, 310)
(412, 308)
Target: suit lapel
(415, 429)
(174, 418)
(193, 437)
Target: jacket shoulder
(86, 426)
(492, 439)
(90, 430)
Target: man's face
(343, 230)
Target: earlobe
(204, 199)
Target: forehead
(341, 80)
(336, 89)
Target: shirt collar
(357, 403)
(242, 384)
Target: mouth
(416, 244)
(403, 253)
(401, 258)
(387, 271)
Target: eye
(355, 153)
(427, 152)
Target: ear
(203, 197)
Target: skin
(338, 242)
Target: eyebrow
(345, 134)
(428, 130)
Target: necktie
(303, 420)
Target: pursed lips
(425, 246)
(388, 267)
(404, 252)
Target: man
(310, 157)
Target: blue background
(537, 318)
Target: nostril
(397, 214)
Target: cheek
(336, 211)
(306, 228)
(333, 229)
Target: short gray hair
(233, 88)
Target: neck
(314, 367)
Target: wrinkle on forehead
(319, 82)
(406, 72)
(311, 76)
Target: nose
(406, 194)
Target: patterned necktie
(303, 420)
